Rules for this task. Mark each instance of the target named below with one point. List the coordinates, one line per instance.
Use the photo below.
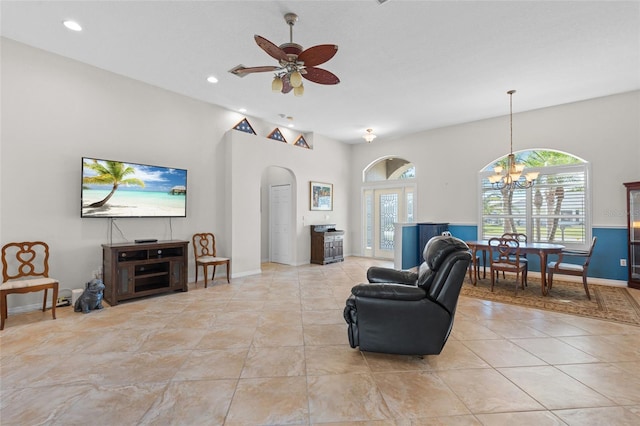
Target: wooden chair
(505, 256)
(25, 269)
(204, 250)
(577, 269)
(522, 238)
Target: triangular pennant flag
(277, 135)
(244, 126)
(301, 142)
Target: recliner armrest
(389, 291)
(376, 274)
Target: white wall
(56, 110)
(604, 131)
(248, 157)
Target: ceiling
(404, 66)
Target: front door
(383, 208)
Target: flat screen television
(115, 189)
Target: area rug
(607, 302)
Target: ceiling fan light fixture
(294, 62)
(295, 79)
(298, 91)
(276, 84)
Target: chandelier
(509, 177)
(369, 136)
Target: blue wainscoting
(610, 248)
(410, 239)
(605, 263)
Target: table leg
(484, 264)
(543, 273)
(474, 266)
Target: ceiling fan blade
(271, 49)
(317, 55)
(320, 76)
(286, 84)
(244, 70)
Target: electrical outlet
(63, 301)
(623, 262)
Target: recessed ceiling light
(212, 79)
(72, 25)
(242, 110)
(290, 125)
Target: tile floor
(272, 349)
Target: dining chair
(522, 238)
(505, 256)
(25, 269)
(204, 250)
(578, 269)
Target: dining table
(541, 249)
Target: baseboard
(246, 273)
(572, 278)
(27, 308)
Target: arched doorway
(388, 197)
(277, 213)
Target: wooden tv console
(137, 270)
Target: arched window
(556, 209)
(389, 169)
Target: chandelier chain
(510, 180)
(511, 92)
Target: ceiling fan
(294, 62)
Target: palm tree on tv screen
(111, 173)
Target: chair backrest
(588, 259)
(505, 251)
(204, 244)
(447, 260)
(435, 251)
(522, 238)
(25, 259)
(581, 254)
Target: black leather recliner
(409, 313)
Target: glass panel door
(387, 212)
(382, 209)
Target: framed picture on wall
(321, 196)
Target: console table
(326, 244)
(137, 270)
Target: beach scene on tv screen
(118, 189)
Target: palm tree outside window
(556, 209)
